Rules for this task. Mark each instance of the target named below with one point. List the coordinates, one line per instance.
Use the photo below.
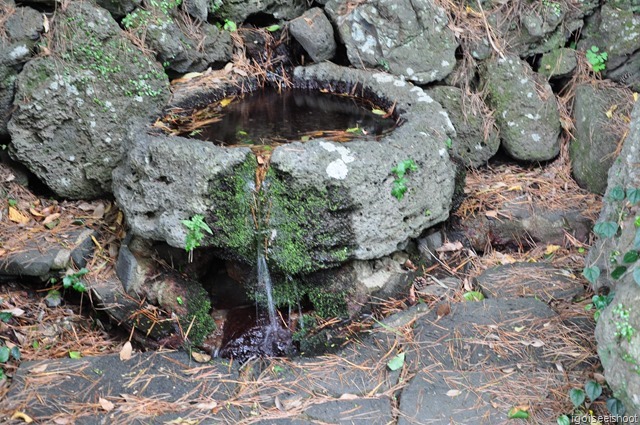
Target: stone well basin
(328, 202)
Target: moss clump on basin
(231, 218)
(199, 312)
(290, 294)
(311, 225)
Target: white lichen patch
(535, 137)
(524, 80)
(383, 78)
(444, 64)
(535, 117)
(338, 169)
(422, 96)
(19, 52)
(399, 83)
(410, 72)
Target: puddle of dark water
(266, 116)
(248, 334)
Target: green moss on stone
(231, 219)
(311, 227)
(199, 311)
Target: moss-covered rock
(74, 107)
(525, 107)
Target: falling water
(264, 281)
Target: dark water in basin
(266, 116)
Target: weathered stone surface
(517, 225)
(372, 411)
(328, 202)
(199, 9)
(69, 127)
(624, 174)
(472, 144)
(240, 10)
(42, 257)
(620, 356)
(93, 378)
(315, 33)
(558, 63)
(593, 148)
(407, 38)
(534, 30)
(22, 28)
(165, 180)
(614, 28)
(119, 8)
(525, 109)
(183, 51)
(472, 323)
(536, 280)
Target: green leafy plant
(400, 183)
(195, 233)
(599, 303)
(74, 281)
(597, 59)
(229, 26)
(624, 329)
(6, 354)
(554, 6)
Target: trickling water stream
(264, 281)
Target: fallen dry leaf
(17, 312)
(17, 216)
(200, 357)
(126, 351)
(348, 396)
(51, 218)
(207, 406)
(20, 415)
(39, 369)
(450, 247)
(98, 213)
(106, 405)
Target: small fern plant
(195, 233)
(597, 59)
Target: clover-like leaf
(591, 273)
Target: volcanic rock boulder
(239, 10)
(22, 28)
(612, 263)
(408, 37)
(596, 135)
(326, 202)
(525, 107)
(74, 106)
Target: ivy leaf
(630, 257)
(577, 397)
(606, 229)
(397, 362)
(4, 354)
(592, 273)
(616, 194)
(618, 272)
(593, 389)
(15, 352)
(615, 406)
(5, 316)
(633, 195)
(564, 420)
(75, 354)
(636, 275)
